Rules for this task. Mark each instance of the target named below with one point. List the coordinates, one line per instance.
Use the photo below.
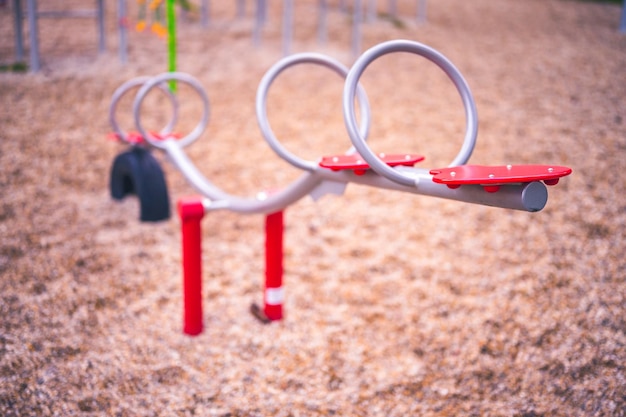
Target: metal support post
(261, 12)
(622, 26)
(191, 212)
(287, 26)
(33, 16)
(322, 18)
(33, 34)
(371, 11)
(123, 30)
(19, 31)
(205, 13)
(421, 11)
(274, 294)
(101, 32)
(357, 17)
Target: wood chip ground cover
(396, 304)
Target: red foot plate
(135, 138)
(359, 165)
(501, 174)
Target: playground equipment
(513, 187)
(33, 15)
(622, 26)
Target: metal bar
(56, 14)
(264, 11)
(101, 32)
(421, 11)
(191, 212)
(259, 22)
(357, 17)
(322, 26)
(526, 197)
(205, 13)
(123, 28)
(19, 30)
(33, 15)
(530, 197)
(287, 26)
(274, 293)
(622, 27)
(371, 11)
(33, 35)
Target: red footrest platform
(491, 177)
(135, 138)
(356, 162)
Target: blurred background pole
(100, 19)
(622, 26)
(123, 28)
(171, 39)
(421, 11)
(19, 31)
(322, 26)
(31, 11)
(357, 17)
(287, 26)
(205, 13)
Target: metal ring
(126, 87)
(159, 80)
(261, 103)
(471, 117)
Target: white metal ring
(125, 88)
(159, 80)
(261, 103)
(350, 88)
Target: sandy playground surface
(397, 305)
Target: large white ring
(261, 103)
(350, 89)
(159, 80)
(125, 88)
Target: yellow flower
(159, 29)
(140, 26)
(154, 4)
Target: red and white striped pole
(191, 212)
(274, 294)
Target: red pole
(191, 211)
(274, 295)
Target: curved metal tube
(264, 203)
(527, 197)
(126, 87)
(261, 103)
(159, 80)
(431, 54)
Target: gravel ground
(397, 304)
